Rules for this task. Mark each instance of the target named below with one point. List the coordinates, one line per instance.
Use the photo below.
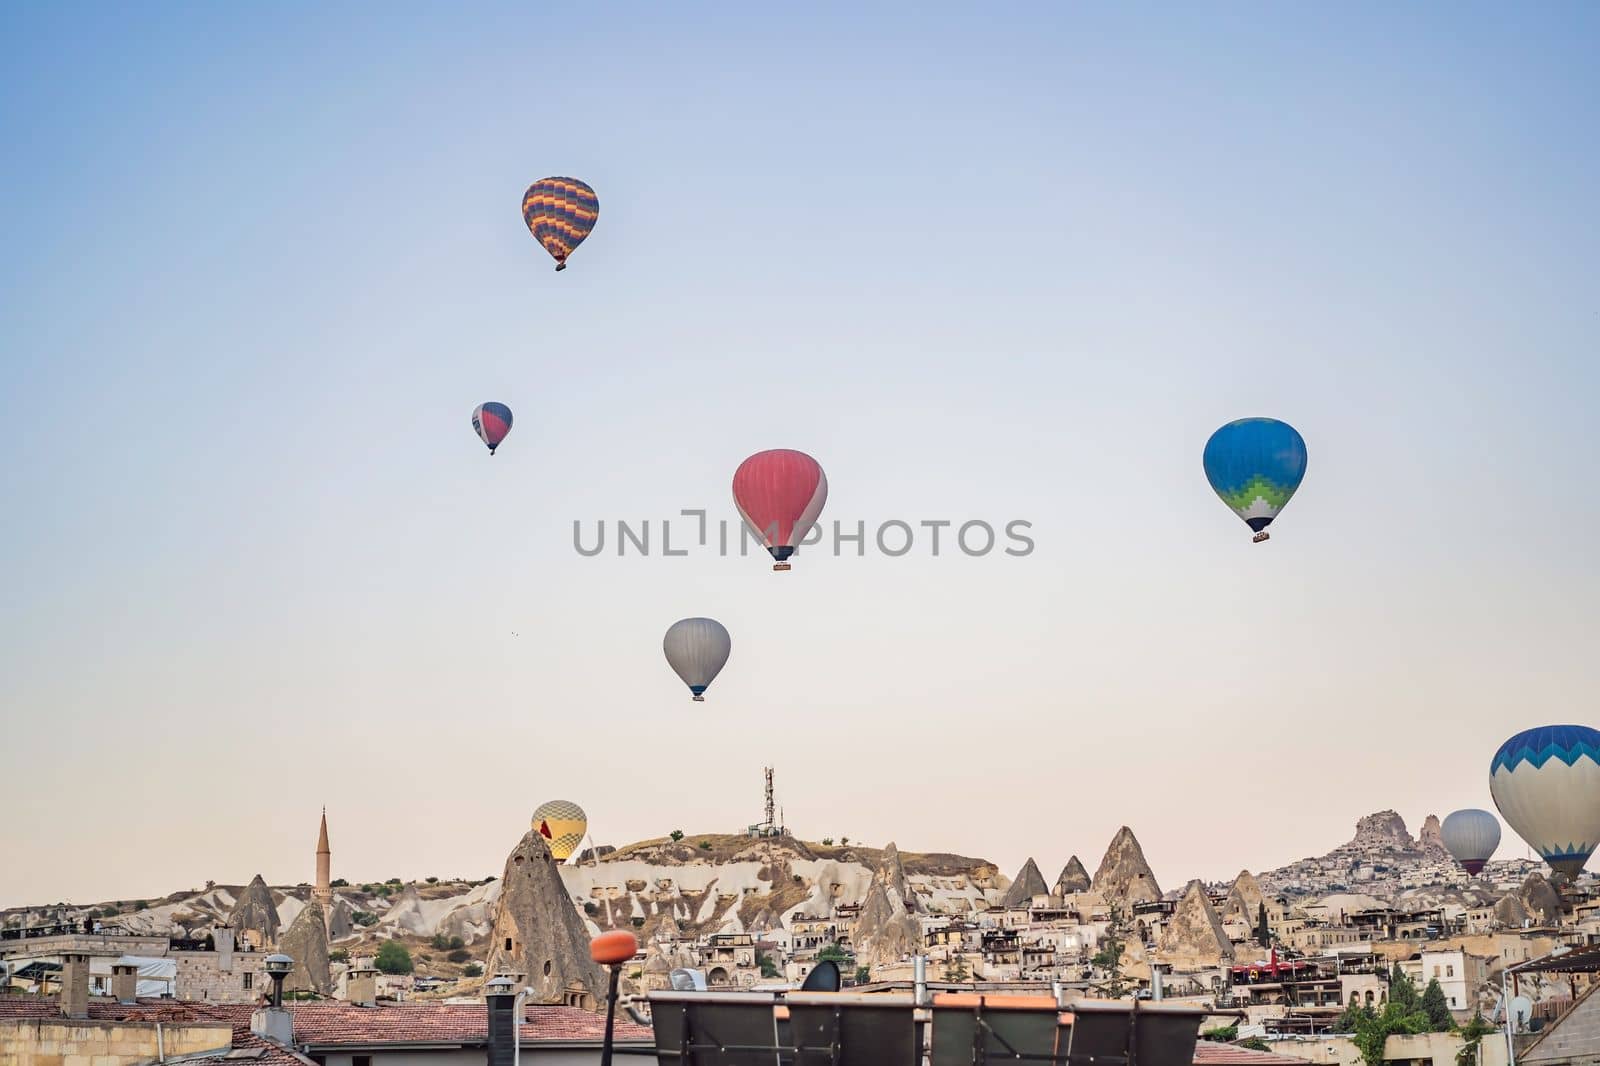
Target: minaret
(323, 893)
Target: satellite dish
(687, 980)
(1522, 1011)
(824, 977)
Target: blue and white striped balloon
(1546, 782)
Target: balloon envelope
(1546, 782)
(1471, 836)
(697, 649)
(560, 212)
(1255, 465)
(491, 421)
(779, 494)
(562, 823)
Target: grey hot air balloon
(1471, 836)
(697, 649)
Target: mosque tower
(323, 893)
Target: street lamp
(278, 967)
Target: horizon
(267, 262)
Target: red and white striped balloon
(779, 494)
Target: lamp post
(278, 967)
(612, 950)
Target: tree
(472, 969)
(833, 952)
(1472, 1035)
(338, 882)
(460, 955)
(844, 841)
(364, 918)
(1372, 1029)
(1437, 1008)
(863, 974)
(1263, 930)
(768, 967)
(827, 842)
(1402, 990)
(1225, 1035)
(705, 845)
(393, 958)
(955, 971)
(676, 835)
(1109, 959)
(339, 955)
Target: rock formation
(1244, 899)
(1193, 935)
(1124, 878)
(1029, 883)
(1541, 899)
(341, 919)
(1510, 911)
(886, 931)
(306, 941)
(536, 930)
(1382, 832)
(1431, 840)
(406, 915)
(255, 912)
(1074, 878)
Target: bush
(338, 882)
(1255, 1043)
(676, 835)
(1224, 1035)
(827, 841)
(473, 969)
(863, 974)
(393, 881)
(433, 880)
(338, 955)
(459, 956)
(364, 918)
(393, 958)
(590, 908)
(705, 845)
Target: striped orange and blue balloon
(491, 421)
(560, 212)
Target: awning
(1578, 960)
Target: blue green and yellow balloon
(1255, 465)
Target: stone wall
(218, 977)
(1573, 1038)
(59, 1042)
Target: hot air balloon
(1255, 465)
(697, 649)
(562, 823)
(779, 493)
(1471, 836)
(560, 212)
(1546, 782)
(491, 421)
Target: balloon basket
(561, 266)
(1259, 537)
(699, 699)
(780, 567)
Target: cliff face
(1074, 878)
(1381, 833)
(1124, 878)
(1244, 899)
(306, 941)
(1193, 936)
(1431, 840)
(536, 930)
(256, 911)
(886, 931)
(1029, 883)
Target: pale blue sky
(263, 262)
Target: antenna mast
(771, 824)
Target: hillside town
(1281, 956)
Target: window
(1436, 971)
(360, 1060)
(249, 980)
(508, 943)
(1452, 1001)
(1450, 970)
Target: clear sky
(983, 264)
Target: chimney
(222, 940)
(361, 986)
(74, 985)
(125, 980)
(503, 1000)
